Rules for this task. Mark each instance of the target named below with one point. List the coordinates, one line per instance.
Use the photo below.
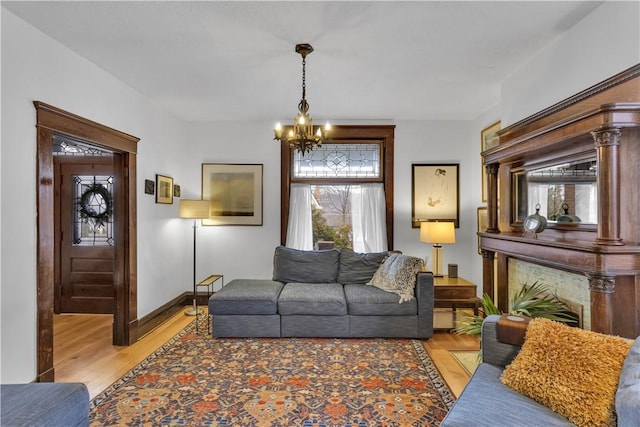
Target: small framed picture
(149, 187)
(164, 189)
(482, 223)
(488, 139)
(176, 190)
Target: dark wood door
(86, 242)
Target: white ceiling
(214, 60)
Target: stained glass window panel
(93, 210)
(339, 161)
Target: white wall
(35, 67)
(605, 43)
(237, 251)
(247, 252)
(425, 142)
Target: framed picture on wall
(164, 189)
(482, 223)
(235, 191)
(488, 139)
(434, 193)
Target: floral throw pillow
(397, 274)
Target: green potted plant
(531, 301)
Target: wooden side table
(208, 282)
(455, 293)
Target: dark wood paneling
(602, 122)
(45, 254)
(50, 120)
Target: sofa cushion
(628, 394)
(363, 300)
(359, 267)
(571, 371)
(246, 296)
(325, 299)
(485, 401)
(293, 265)
(397, 274)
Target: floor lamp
(194, 209)
(437, 233)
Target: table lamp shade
(194, 209)
(437, 232)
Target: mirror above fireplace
(566, 193)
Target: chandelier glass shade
(302, 135)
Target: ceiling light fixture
(302, 135)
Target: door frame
(51, 120)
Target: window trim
(346, 134)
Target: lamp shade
(437, 232)
(194, 209)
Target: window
(335, 179)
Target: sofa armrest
(424, 296)
(493, 351)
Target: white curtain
(300, 230)
(369, 219)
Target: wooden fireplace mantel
(601, 123)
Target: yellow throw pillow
(569, 370)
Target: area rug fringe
(194, 379)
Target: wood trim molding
(601, 123)
(49, 121)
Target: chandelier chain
(304, 77)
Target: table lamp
(194, 209)
(437, 233)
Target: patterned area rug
(195, 380)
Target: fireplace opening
(576, 310)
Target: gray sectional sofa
(322, 294)
(486, 401)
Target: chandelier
(302, 135)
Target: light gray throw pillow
(397, 274)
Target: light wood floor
(83, 351)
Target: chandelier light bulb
(278, 130)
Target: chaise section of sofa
(322, 294)
(246, 308)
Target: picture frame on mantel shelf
(164, 189)
(482, 223)
(435, 193)
(488, 139)
(235, 192)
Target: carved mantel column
(608, 157)
(602, 307)
(488, 278)
(492, 198)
